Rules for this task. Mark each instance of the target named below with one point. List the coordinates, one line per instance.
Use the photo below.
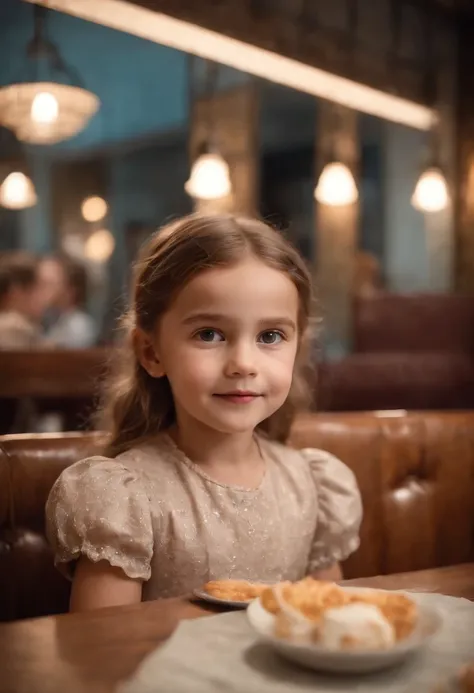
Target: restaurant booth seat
(409, 351)
(415, 472)
(64, 382)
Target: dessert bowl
(352, 660)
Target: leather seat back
(415, 472)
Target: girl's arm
(96, 585)
(333, 573)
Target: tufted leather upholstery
(29, 465)
(415, 471)
(402, 358)
(385, 380)
(411, 323)
(416, 476)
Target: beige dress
(160, 518)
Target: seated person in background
(367, 275)
(72, 327)
(22, 302)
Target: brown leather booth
(416, 475)
(51, 380)
(414, 323)
(410, 351)
(414, 381)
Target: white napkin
(221, 654)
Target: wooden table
(93, 651)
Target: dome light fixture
(47, 103)
(336, 186)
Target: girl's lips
(238, 397)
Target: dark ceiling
(457, 6)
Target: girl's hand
(333, 574)
(96, 585)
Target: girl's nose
(242, 360)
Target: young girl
(196, 483)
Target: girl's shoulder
(326, 471)
(140, 464)
(304, 458)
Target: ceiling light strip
(190, 38)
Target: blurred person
(66, 284)
(367, 276)
(22, 301)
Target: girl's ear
(146, 353)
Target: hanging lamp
(209, 178)
(431, 193)
(47, 103)
(17, 190)
(336, 186)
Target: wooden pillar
(336, 230)
(464, 200)
(235, 115)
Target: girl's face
(228, 345)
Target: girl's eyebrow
(209, 318)
(203, 317)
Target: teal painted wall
(142, 87)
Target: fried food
(310, 597)
(302, 606)
(234, 590)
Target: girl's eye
(271, 337)
(209, 336)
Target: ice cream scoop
(355, 627)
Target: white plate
(362, 661)
(201, 594)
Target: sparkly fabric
(160, 518)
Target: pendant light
(17, 190)
(431, 193)
(47, 103)
(336, 186)
(210, 176)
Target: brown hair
(76, 278)
(17, 268)
(135, 404)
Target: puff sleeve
(339, 510)
(99, 509)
